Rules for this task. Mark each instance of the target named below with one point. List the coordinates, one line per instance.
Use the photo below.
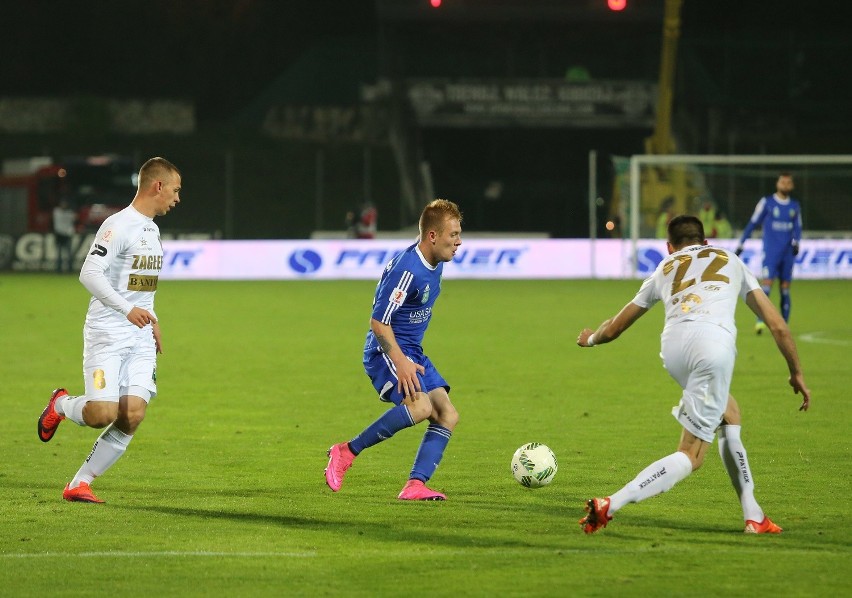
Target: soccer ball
(534, 465)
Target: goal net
(647, 185)
(724, 190)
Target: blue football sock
(430, 452)
(391, 422)
(785, 304)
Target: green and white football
(534, 465)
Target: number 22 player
(699, 286)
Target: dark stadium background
(768, 77)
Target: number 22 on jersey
(710, 273)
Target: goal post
(731, 185)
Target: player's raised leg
(661, 476)
(404, 415)
(340, 458)
(50, 418)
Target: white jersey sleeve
(698, 283)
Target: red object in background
(95, 187)
(616, 5)
(435, 3)
(365, 227)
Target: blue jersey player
(780, 216)
(394, 359)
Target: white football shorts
(119, 362)
(700, 356)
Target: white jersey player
(121, 334)
(699, 286)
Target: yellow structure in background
(671, 188)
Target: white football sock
(106, 451)
(655, 479)
(72, 408)
(734, 457)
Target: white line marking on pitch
(160, 553)
(816, 337)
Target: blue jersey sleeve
(797, 224)
(756, 219)
(391, 294)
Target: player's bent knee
(130, 414)
(731, 416)
(697, 459)
(99, 414)
(128, 421)
(420, 407)
(449, 418)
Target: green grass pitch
(222, 490)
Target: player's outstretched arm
(759, 303)
(612, 328)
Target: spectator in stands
(666, 214)
(63, 231)
(707, 215)
(362, 224)
(721, 226)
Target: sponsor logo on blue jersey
(419, 316)
(305, 261)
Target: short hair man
(121, 336)
(780, 217)
(699, 286)
(394, 358)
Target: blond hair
(436, 213)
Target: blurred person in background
(667, 212)
(721, 226)
(706, 215)
(363, 222)
(63, 231)
(780, 217)
(121, 336)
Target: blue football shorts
(778, 265)
(382, 373)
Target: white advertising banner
(476, 258)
